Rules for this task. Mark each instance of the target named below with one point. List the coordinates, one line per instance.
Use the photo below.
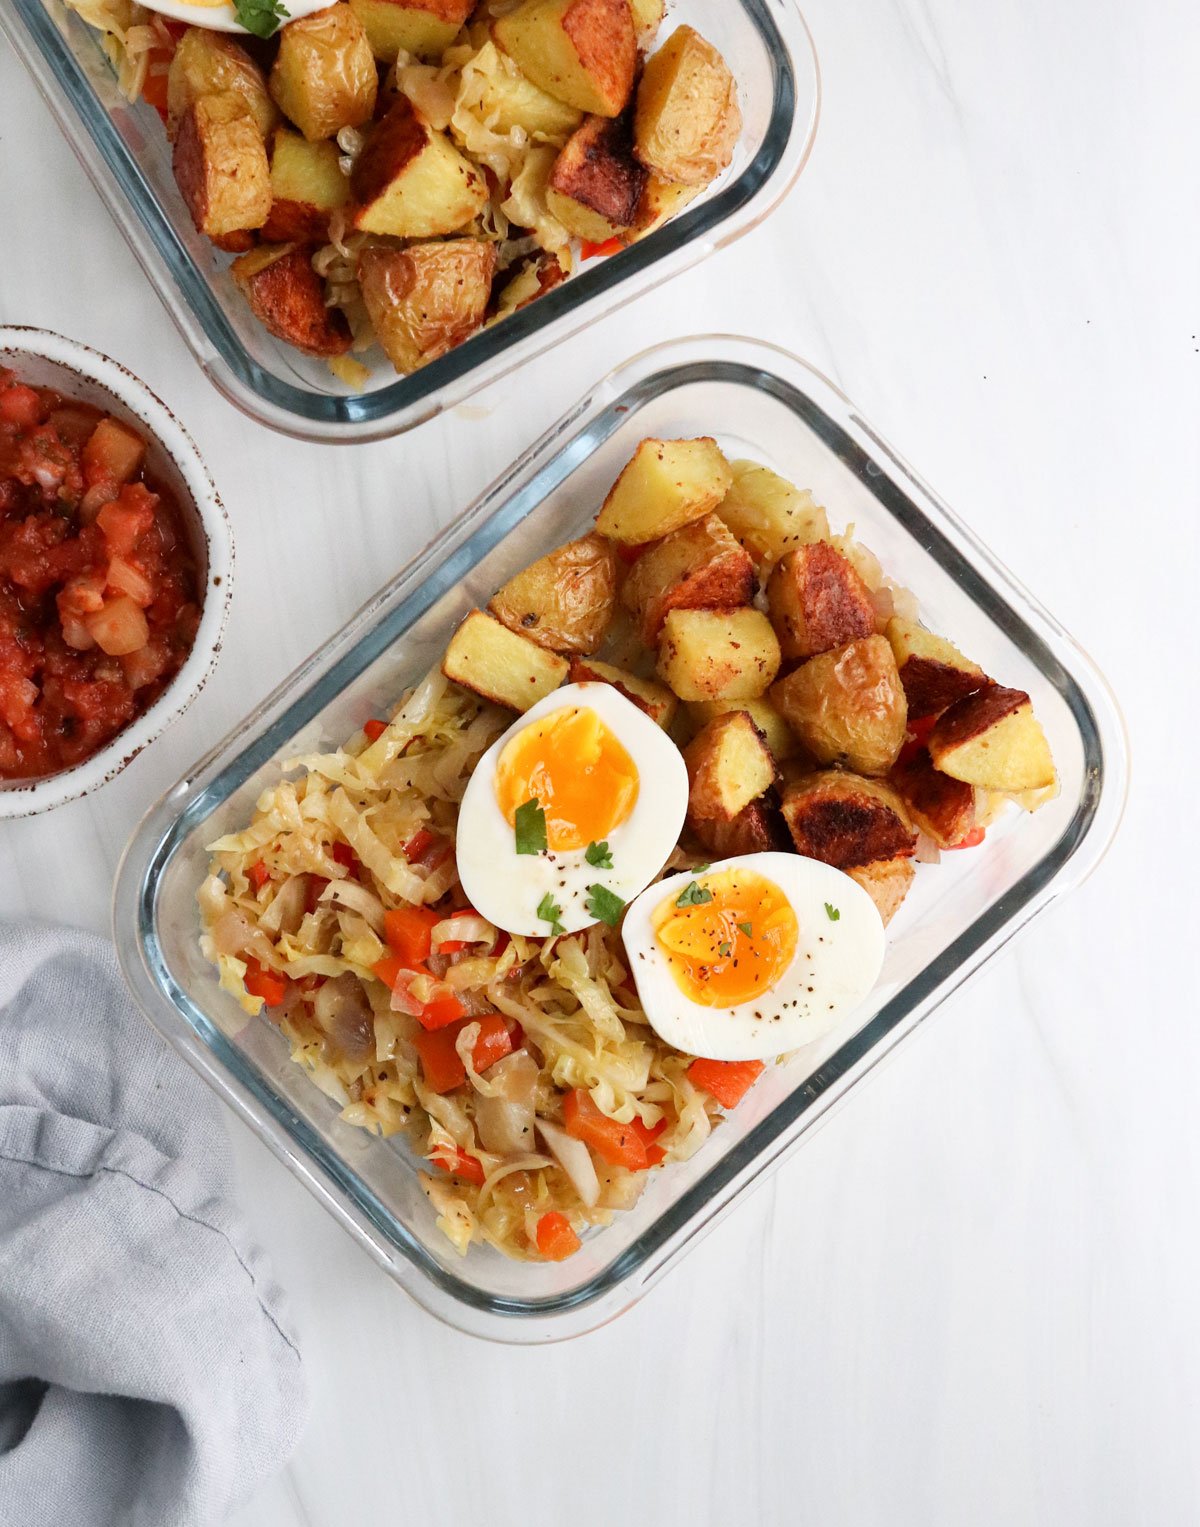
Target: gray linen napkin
(148, 1377)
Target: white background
(973, 1297)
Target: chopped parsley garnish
(831, 912)
(530, 828)
(747, 929)
(600, 855)
(693, 895)
(724, 948)
(605, 905)
(550, 912)
(262, 17)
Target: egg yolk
(577, 771)
(731, 939)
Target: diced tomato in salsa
(99, 600)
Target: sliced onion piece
(575, 1159)
(348, 893)
(926, 851)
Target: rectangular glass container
(762, 403)
(125, 151)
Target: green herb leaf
(724, 948)
(600, 855)
(747, 929)
(550, 912)
(262, 17)
(693, 895)
(530, 828)
(605, 905)
(831, 912)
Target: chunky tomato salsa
(98, 589)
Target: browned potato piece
(596, 183)
(505, 668)
(660, 201)
(940, 806)
(755, 830)
(781, 740)
(288, 297)
(818, 602)
(209, 63)
(729, 765)
(992, 739)
(700, 567)
(647, 17)
(411, 182)
(769, 515)
(718, 654)
(665, 485)
(424, 300)
(847, 706)
(886, 882)
(221, 166)
(536, 275)
(565, 600)
(324, 74)
(425, 28)
(657, 702)
(581, 51)
(933, 671)
(307, 188)
(687, 120)
(845, 820)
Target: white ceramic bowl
(48, 360)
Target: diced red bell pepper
(459, 1163)
(654, 1153)
(726, 1080)
(314, 891)
(258, 875)
(374, 729)
(270, 985)
(441, 1064)
(617, 1144)
(589, 251)
(555, 1239)
(918, 736)
(343, 854)
(420, 841)
(409, 933)
(972, 839)
(456, 945)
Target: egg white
(835, 965)
(507, 887)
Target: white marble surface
(972, 1298)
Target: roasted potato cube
(565, 600)
(940, 806)
(847, 706)
(288, 297)
(505, 668)
(687, 121)
(424, 300)
(221, 167)
(818, 602)
(596, 183)
(769, 515)
(209, 63)
(538, 274)
(665, 484)
(992, 739)
(425, 28)
(494, 91)
(307, 188)
(933, 671)
(845, 820)
(700, 567)
(324, 75)
(756, 829)
(657, 701)
(886, 882)
(781, 740)
(729, 765)
(660, 201)
(411, 182)
(718, 654)
(582, 51)
(647, 17)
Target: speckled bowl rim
(22, 798)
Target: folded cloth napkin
(148, 1376)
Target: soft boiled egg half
(569, 814)
(754, 956)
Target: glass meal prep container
(125, 151)
(762, 403)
